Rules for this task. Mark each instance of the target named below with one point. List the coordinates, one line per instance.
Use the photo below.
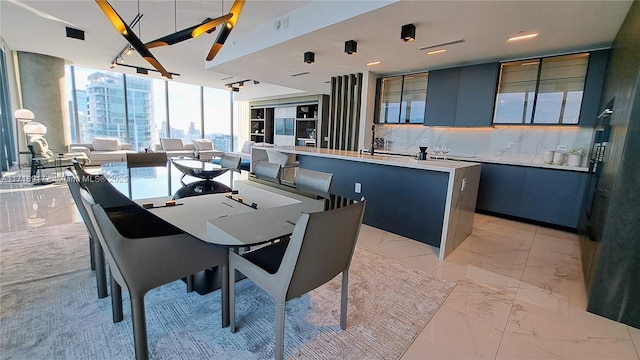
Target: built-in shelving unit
(262, 124)
(306, 124)
(298, 121)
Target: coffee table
(197, 168)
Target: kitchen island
(431, 201)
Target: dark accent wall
(615, 291)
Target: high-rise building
(107, 111)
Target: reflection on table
(201, 187)
(147, 182)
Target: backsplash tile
(521, 143)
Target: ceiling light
(309, 57)
(436, 52)
(374, 63)
(522, 37)
(131, 37)
(408, 32)
(241, 84)
(236, 8)
(129, 51)
(351, 47)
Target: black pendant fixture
(351, 47)
(131, 37)
(189, 33)
(408, 32)
(236, 8)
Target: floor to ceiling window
(140, 110)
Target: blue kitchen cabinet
(462, 96)
(442, 97)
(552, 196)
(537, 194)
(500, 188)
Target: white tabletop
(219, 220)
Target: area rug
(49, 310)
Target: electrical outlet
(326, 138)
(398, 139)
(511, 145)
(404, 139)
(562, 147)
(425, 141)
(358, 188)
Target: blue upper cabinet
(594, 83)
(462, 96)
(442, 97)
(477, 94)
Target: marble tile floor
(520, 291)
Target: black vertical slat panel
(338, 111)
(349, 114)
(332, 114)
(346, 105)
(358, 107)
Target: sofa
(205, 150)
(103, 150)
(201, 149)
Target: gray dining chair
(268, 171)
(140, 261)
(95, 250)
(231, 162)
(320, 248)
(314, 182)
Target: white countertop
(492, 160)
(383, 159)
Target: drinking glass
(437, 150)
(445, 150)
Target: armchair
(42, 157)
(320, 248)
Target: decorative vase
(574, 160)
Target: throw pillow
(203, 144)
(106, 144)
(171, 144)
(246, 148)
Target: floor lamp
(23, 116)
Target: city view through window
(134, 109)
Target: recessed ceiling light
(374, 63)
(522, 37)
(436, 52)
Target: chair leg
(279, 347)
(91, 254)
(231, 292)
(139, 327)
(101, 270)
(224, 294)
(116, 300)
(190, 282)
(344, 299)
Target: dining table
(251, 214)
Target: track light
(256, 82)
(236, 86)
(309, 57)
(408, 32)
(142, 71)
(351, 47)
(241, 84)
(129, 51)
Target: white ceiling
(258, 50)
